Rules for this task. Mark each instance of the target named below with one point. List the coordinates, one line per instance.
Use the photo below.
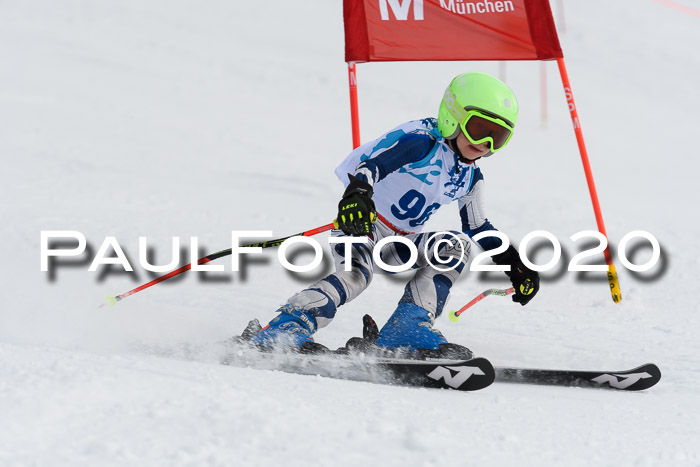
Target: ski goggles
(479, 127)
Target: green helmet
(475, 91)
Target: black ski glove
(356, 211)
(526, 282)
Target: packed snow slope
(174, 118)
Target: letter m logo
(400, 8)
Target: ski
(461, 375)
(636, 379)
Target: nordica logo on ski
(460, 376)
(621, 381)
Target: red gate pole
(354, 112)
(612, 273)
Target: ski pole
(454, 314)
(111, 301)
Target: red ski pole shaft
(454, 315)
(111, 301)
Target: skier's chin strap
(452, 143)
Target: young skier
(393, 185)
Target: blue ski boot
(410, 328)
(290, 329)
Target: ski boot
(290, 330)
(410, 330)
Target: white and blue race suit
(414, 172)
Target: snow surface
(170, 118)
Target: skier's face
(471, 151)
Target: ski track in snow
(171, 119)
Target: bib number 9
(411, 206)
